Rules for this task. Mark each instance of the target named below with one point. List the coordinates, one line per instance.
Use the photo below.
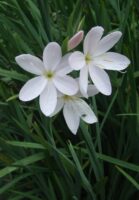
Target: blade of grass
(129, 178)
(118, 162)
(85, 181)
(21, 163)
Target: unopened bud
(75, 40)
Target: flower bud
(75, 40)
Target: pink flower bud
(75, 40)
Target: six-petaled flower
(95, 59)
(57, 90)
(51, 76)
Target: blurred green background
(39, 158)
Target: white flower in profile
(96, 58)
(51, 76)
(75, 108)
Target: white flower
(96, 58)
(51, 76)
(75, 108)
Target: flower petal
(48, 99)
(59, 106)
(71, 117)
(107, 42)
(92, 90)
(83, 81)
(75, 40)
(77, 60)
(30, 63)
(84, 111)
(92, 38)
(101, 80)
(66, 84)
(64, 68)
(32, 88)
(52, 55)
(112, 61)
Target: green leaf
(118, 162)
(129, 178)
(80, 171)
(22, 163)
(13, 75)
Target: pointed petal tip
(93, 121)
(22, 56)
(128, 62)
(19, 57)
(74, 132)
(99, 27)
(30, 63)
(119, 32)
(21, 98)
(52, 43)
(32, 88)
(107, 93)
(71, 117)
(16, 58)
(101, 80)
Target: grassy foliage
(39, 158)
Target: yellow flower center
(88, 58)
(48, 74)
(67, 98)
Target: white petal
(92, 38)
(32, 88)
(77, 60)
(52, 55)
(92, 90)
(71, 117)
(75, 40)
(30, 63)
(84, 111)
(63, 67)
(83, 81)
(112, 61)
(66, 84)
(48, 99)
(59, 106)
(107, 42)
(101, 80)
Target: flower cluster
(58, 90)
